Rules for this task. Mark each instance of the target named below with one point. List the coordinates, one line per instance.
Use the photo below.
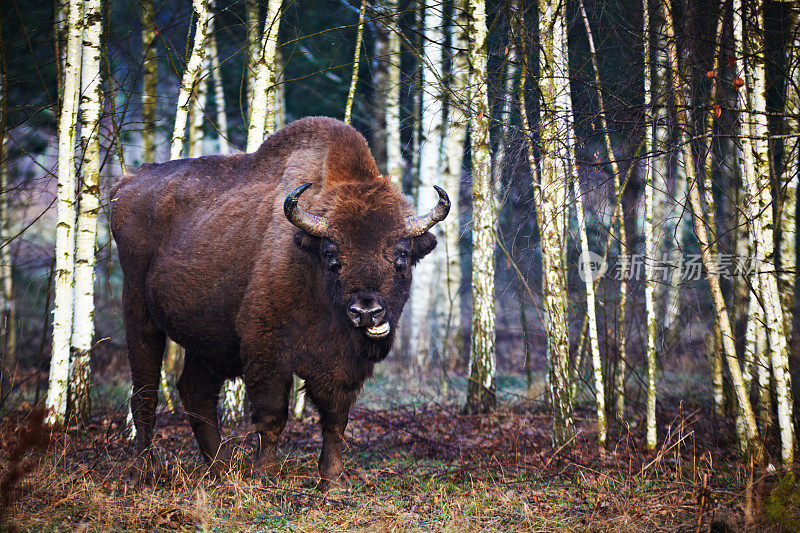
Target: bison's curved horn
(420, 224)
(311, 224)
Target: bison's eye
(401, 260)
(331, 259)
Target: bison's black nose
(366, 311)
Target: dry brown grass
(413, 469)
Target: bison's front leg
(268, 391)
(331, 467)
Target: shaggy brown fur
(210, 261)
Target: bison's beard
(376, 350)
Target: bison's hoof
(340, 483)
(218, 469)
(146, 470)
(269, 480)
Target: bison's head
(365, 248)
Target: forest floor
(414, 466)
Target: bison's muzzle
(369, 312)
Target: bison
(293, 259)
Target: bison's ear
(307, 243)
(422, 246)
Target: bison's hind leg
(145, 343)
(199, 387)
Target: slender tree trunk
(619, 378)
(394, 153)
(754, 446)
(262, 112)
(65, 228)
(426, 286)
(453, 157)
(252, 50)
(348, 108)
(715, 355)
(149, 81)
(791, 173)
(192, 74)
(755, 336)
(197, 117)
(219, 96)
(649, 241)
(481, 386)
(88, 207)
(7, 307)
(763, 224)
(551, 200)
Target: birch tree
(252, 50)
(619, 378)
(199, 100)
(425, 312)
(191, 76)
(745, 408)
(790, 177)
(149, 81)
(759, 200)
(394, 155)
(482, 364)
(647, 230)
(88, 207)
(7, 307)
(262, 111)
(715, 353)
(348, 108)
(755, 348)
(219, 96)
(65, 228)
(453, 157)
(551, 200)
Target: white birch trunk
(200, 99)
(219, 96)
(191, 76)
(649, 241)
(348, 108)
(232, 397)
(280, 91)
(454, 143)
(394, 154)
(88, 208)
(149, 81)
(745, 408)
(760, 202)
(425, 313)
(252, 50)
(298, 398)
(715, 350)
(481, 386)
(7, 308)
(262, 112)
(791, 173)
(65, 228)
(619, 377)
(551, 200)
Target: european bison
(293, 259)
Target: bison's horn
(311, 224)
(420, 224)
